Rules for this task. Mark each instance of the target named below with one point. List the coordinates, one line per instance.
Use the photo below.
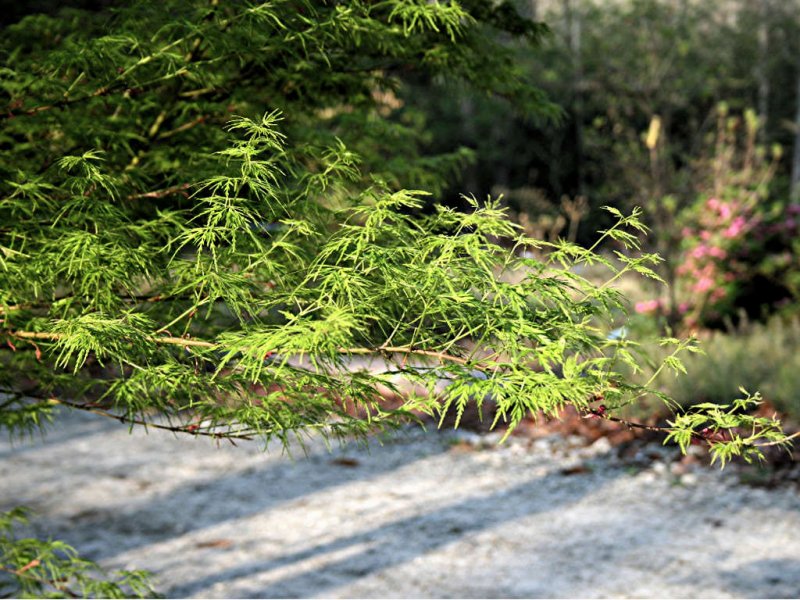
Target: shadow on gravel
(209, 502)
(400, 541)
(67, 426)
(768, 578)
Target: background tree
(640, 82)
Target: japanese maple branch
(25, 572)
(4, 310)
(442, 356)
(698, 435)
(190, 429)
(175, 189)
(779, 442)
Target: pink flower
(725, 210)
(704, 284)
(705, 235)
(713, 203)
(706, 271)
(647, 306)
(699, 251)
(684, 307)
(686, 232)
(717, 252)
(735, 228)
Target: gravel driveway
(426, 514)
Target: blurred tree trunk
(572, 14)
(762, 67)
(795, 189)
(466, 107)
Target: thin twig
(442, 356)
(179, 341)
(12, 308)
(182, 128)
(126, 299)
(64, 102)
(132, 421)
(175, 189)
(778, 442)
(24, 572)
(695, 434)
(631, 424)
(43, 335)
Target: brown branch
(175, 189)
(117, 85)
(34, 563)
(778, 442)
(127, 299)
(23, 572)
(12, 308)
(442, 356)
(200, 92)
(698, 435)
(64, 102)
(188, 429)
(53, 337)
(179, 341)
(182, 128)
(629, 424)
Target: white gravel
(436, 514)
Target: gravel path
(437, 514)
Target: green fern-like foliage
(34, 568)
(208, 212)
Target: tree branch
(191, 429)
(179, 341)
(442, 356)
(64, 102)
(779, 442)
(25, 572)
(182, 128)
(54, 337)
(175, 189)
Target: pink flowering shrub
(739, 255)
(736, 247)
(739, 249)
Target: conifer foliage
(209, 210)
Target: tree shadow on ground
(104, 530)
(398, 542)
(67, 425)
(766, 578)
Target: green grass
(756, 356)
